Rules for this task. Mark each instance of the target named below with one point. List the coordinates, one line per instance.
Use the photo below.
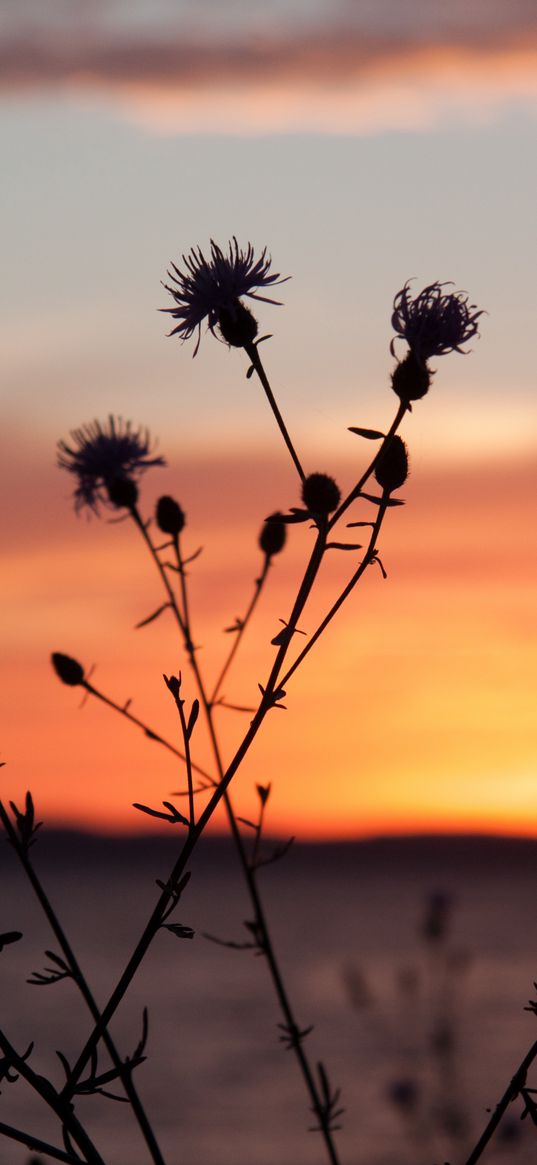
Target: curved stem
(149, 732)
(510, 1094)
(55, 1100)
(262, 928)
(267, 701)
(402, 409)
(124, 1073)
(239, 632)
(180, 704)
(366, 560)
(252, 352)
(38, 1145)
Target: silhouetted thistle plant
(107, 462)
(212, 289)
(432, 324)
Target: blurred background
(363, 144)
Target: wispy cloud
(342, 76)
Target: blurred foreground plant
(107, 462)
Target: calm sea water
(422, 1036)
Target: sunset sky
(364, 144)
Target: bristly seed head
(106, 460)
(211, 289)
(434, 322)
(391, 470)
(320, 494)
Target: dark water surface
(421, 1034)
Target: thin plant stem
(149, 732)
(513, 1088)
(266, 945)
(262, 929)
(55, 1100)
(355, 491)
(252, 352)
(258, 834)
(268, 700)
(124, 1073)
(39, 1146)
(366, 561)
(180, 704)
(182, 616)
(239, 631)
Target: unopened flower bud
(273, 535)
(68, 670)
(320, 493)
(169, 515)
(122, 492)
(237, 325)
(411, 379)
(391, 470)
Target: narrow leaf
(369, 434)
(150, 618)
(192, 718)
(179, 930)
(9, 936)
(343, 545)
(175, 812)
(65, 1063)
(381, 501)
(151, 812)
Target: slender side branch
(355, 491)
(183, 619)
(145, 728)
(264, 939)
(268, 699)
(239, 631)
(55, 1100)
(366, 561)
(174, 686)
(38, 1145)
(124, 1072)
(510, 1094)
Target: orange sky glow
(416, 712)
(339, 83)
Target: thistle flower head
(434, 322)
(211, 288)
(106, 460)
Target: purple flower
(434, 322)
(106, 459)
(211, 288)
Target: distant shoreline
(478, 851)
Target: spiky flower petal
(434, 322)
(105, 457)
(212, 288)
